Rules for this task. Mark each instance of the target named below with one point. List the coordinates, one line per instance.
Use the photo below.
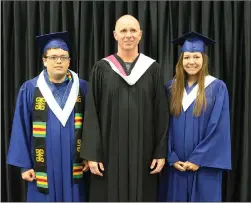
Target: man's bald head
(125, 19)
(128, 34)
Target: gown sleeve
(161, 116)
(91, 139)
(215, 149)
(171, 155)
(20, 153)
(84, 87)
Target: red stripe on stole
(41, 180)
(77, 170)
(39, 129)
(78, 120)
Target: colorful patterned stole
(39, 119)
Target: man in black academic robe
(125, 128)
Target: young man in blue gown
(47, 127)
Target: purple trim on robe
(112, 59)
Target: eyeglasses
(55, 58)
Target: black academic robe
(125, 129)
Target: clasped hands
(185, 166)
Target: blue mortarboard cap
(193, 42)
(53, 40)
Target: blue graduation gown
(59, 147)
(203, 140)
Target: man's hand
(85, 166)
(179, 165)
(160, 164)
(190, 166)
(29, 175)
(93, 165)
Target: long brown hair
(177, 88)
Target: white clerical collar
(61, 114)
(188, 99)
(141, 66)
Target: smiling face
(57, 62)
(127, 33)
(192, 62)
